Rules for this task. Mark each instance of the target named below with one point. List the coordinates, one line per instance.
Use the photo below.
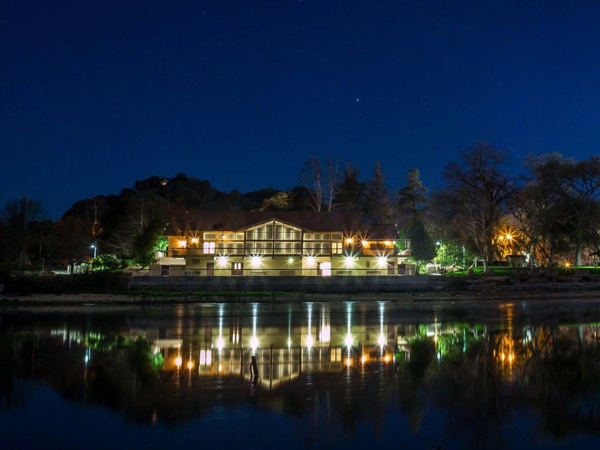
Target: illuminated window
(209, 248)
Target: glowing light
(382, 261)
(222, 261)
(182, 243)
(255, 262)
(310, 261)
(289, 343)
(254, 342)
(386, 358)
(349, 340)
(509, 236)
(309, 341)
(349, 241)
(365, 243)
(363, 359)
(86, 359)
(388, 243)
(178, 361)
(195, 240)
(382, 340)
(348, 362)
(326, 333)
(349, 262)
(190, 365)
(220, 368)
(220, 343)
(290, 260)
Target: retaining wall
(331, 285)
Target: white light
(349, 262)
(382, 261)
(309, 341)
(255, 262)
(290, 260)
(220, 343)
(310, 261)
(349, 340)
(178, 361)
(382, 340)
(254, 342)
(289, 343)
(222, 261)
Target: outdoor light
(382, 340)
(310, 261)
(349, 340)
(182, 243)
(222, 261)
(348, 362)
(382, 261)
(386, 358)
(255, 262)
(349, 261)
(194, 240)
(178, 361)
(220, 343)
(190, 365)
(254, 343)
(349, 241)
(290, 260)
(365, 243)
(289, 342)
(387, 243)
(363, 359)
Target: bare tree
(477, 191)
(321, 183)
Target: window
(209, 248)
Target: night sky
(96, 94)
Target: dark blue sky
(99, 93)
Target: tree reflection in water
(481, 374)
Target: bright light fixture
(222, 261)
(178, 361)
(220, 343)
(255, 262)
(254, 342)
(309, 341)
(310, 261)
(349, 340)
(382, 340)
(349, 262)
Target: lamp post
(95, 247)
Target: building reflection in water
(322, 359)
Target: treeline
(549, 211)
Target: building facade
(238, 243)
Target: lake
(425, 375)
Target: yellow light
(310, 261)
(387, 243)
(309, 341)
(511, 356)
(349, 262)
(502, 356)
(348, 362)
(363, 359)
(509, 237)
(349, 241)
(194, 240)
(178, 361)
(255, 262)
(220, 368)
(190, 365)
(386, 358)
(222, 261)
(365, 243)
(182, 243)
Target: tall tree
(477, 191)
(411, 199)
(321, 182)
(17, 217)
(350, 190)
(377, 197)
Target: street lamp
(95, 247)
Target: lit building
(239, 243)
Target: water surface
(330, 375)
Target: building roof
(338, 220)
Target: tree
(422, 248)
(377, 197)
(411, 199)
(350, 190)
(321, 183)
(71, 238)
(477, 192)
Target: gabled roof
(345, 221)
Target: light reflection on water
(331, 375)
